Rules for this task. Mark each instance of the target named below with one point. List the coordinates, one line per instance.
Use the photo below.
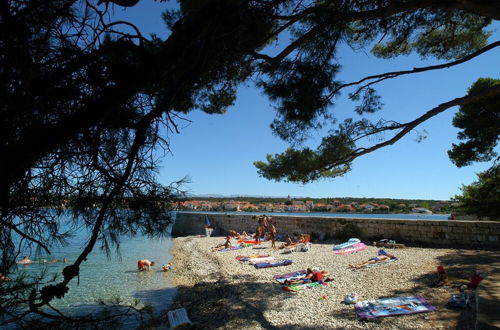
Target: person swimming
(25, 261)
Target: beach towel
(354, 248)
(369, 309)
(251, 241)
(290, 276)
(232, 248)
(347, 244)
(245, 258)
(276, 263)
(257, 260)
(302, 286)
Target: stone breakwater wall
(446, 232)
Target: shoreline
(220, 292)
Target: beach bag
(459, 300)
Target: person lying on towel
(383, 256)
(312, 275)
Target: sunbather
(312, 275)
(383, 256)
(225, 245)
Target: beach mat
(260, 260)
(252, 242)
(246, 258)
(290, 276)
(303, 286)
(347, 244)
(370, 309)
(277, 263)
(232, 248)
(352, 249)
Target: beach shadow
(459, 264)
(243, 304)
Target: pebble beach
(220, 292)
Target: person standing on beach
(145, 264)
(258, 233)
(272, 234)
(265, 224)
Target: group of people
(147, 265)
(293, 242)
(266, 228)
(26, 261)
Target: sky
(216, 152)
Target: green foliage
(301, 165)
(441, 34)
(480, 127)
(482, 196)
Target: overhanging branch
(407, 127)
(389, 75)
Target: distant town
(302, 205)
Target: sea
(115, 278)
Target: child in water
(167, 267)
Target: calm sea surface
(109, 279)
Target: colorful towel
(354, 248)
(298, 287)
(251, 241)
(347, 244)
(260, 260)
(290, 276)
(370, 309)
(277, 263)
(232, 248)
(245, 258)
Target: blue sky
(217, 151)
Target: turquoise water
(410, 216)
(109, 279)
